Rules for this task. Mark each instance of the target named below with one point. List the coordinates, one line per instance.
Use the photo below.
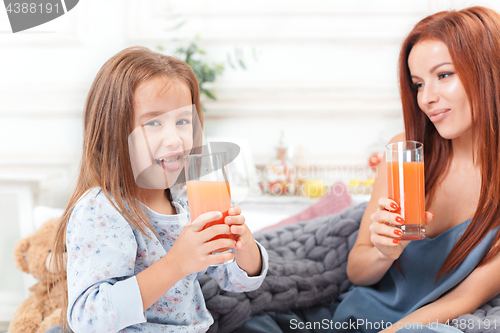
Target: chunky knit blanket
(307, 267)
(486, 319)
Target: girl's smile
(163, 132)
(170, 162)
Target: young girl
(449, 69)
(133, 259)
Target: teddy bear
(42, 309)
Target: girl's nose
(172, 140)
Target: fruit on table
(356, 186)
(355, 182)
(369, 182)
(314, 188)
(375, 159)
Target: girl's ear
(22, 247)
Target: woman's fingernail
(231, 211)
(400, 220)
(228, 220)
(432, 214)
(398, 232)
(395, 241)
(394, 206)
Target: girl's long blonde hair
(108, 121)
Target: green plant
(205, 71)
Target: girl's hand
(192, 251)
(247, 253)
(384, 236)
(236, 222)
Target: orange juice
(407, 188)
(207, 196)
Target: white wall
(324, 72)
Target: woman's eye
(182, 122)
(152, 123)
(444, 75)
(417, 85)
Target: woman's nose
(429, 94)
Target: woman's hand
(384, 236)
(192, 251)
(247, 253)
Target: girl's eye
(417, 85)
(152, 123)
(444, 75)
(182, 122)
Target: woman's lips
(439, 115)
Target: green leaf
(209, 94)
(204, 71)
(230, 61)
(219, 68)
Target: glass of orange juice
(208, 188)
(405, 175)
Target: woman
(449, 70)
(450, 82)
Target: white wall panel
(325, 70)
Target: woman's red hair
(472, 36)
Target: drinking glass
(208, 188)
(405, 175)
